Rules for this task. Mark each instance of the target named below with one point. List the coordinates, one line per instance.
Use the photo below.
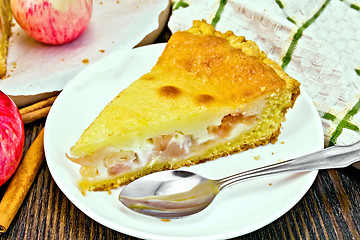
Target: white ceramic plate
(236, 211)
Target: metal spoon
(177, 193)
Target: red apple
(52, 21)
(12, 137)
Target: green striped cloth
(315, 41)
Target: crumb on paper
(117, 2)
(272, 153)
(62, 59)
(282, 142)
(109, 192)
(102, 51)
(270, 184)
(101, 3)
(279, 160)
(257, 157)
(13, 67)
(85, 61)
(165, 220)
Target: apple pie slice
(209, 95)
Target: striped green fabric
(345, 124)
(356, 7)
(357, 71)
(287, 58)
(279, 3)
(218, 13)
(179, 4)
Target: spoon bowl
(169, 194)
(178, 193)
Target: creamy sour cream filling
(171, 147)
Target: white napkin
(321, 39)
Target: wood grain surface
(329, 210)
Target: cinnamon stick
(38, 105)
(37, 110)
(21, 182)
(35, 115)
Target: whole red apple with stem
(12, 136)
(52, 21)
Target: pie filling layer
(171, 147)
(177, 147)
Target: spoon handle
(332, 157)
